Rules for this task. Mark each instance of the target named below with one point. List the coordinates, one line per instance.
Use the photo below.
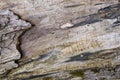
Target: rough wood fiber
(69, 40)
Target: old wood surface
(59, 40)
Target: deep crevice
(18, 44)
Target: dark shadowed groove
(36, 76)
(72, 6)
(18, 44)
(110, 12)
(92, 55)
(79, 58)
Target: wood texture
(68, 40)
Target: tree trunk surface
(59, 39)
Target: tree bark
(59, 40)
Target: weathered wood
(69, 40)
(11, 27)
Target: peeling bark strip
(11, 27)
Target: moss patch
(79, 73)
